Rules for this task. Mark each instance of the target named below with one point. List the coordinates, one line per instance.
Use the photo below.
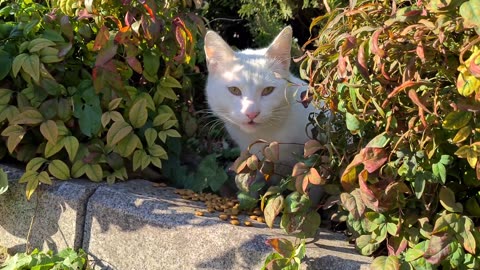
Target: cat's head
(249, 88)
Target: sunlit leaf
(117, 132)
(385, 263)
(59, 169)
(272, 209)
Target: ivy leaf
(128, 145)
(35, 164)
(31, 66)
(94, 172)
(462, 134)
(32, 185)
(15, 135)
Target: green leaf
(43, 177)
(18, 63)
(71, 145)
(366, 244)
(470, 11)
(353, 124)
(94, 172)
(5, 96)
(310, 225)
(39, 43)
(3, 182)
(59, 169)
(49, 131)
(447, 200)
(53, 148)
(35, 164)
(385, 263)
(380, 141)
(457, 119)
(353, 203)
(15, 135)
(138, 113)
(246, 201)
(157, 151)
(169, 81)
(126, 146)
(29, 117)
(272, 209)
(419, 185)
(416, 252)
(5, 65)
(31, 66)
(151, 63)
(439, 172)
(150, 136)
(438, 248)
(117, 132)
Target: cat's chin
(249, 127)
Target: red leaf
(362, 62)
(106, 55)
(150, 11)
(66, 27)
(473, 67)
(101, 39)
(375, 48)
(421, 52)
(182, 34)
(135, 64)
(412, 94)
(438, 248)
(373, 158)
(282, 246)
(311, 147)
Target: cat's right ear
(217, 51)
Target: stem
(29, 234)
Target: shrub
(404, 77)
(93, 89)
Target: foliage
(65, 259)
(3, 182)
(288, 255)
(404, 77)
(91, 89)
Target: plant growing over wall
(92, 88)
(404, 77)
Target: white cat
(256, 96)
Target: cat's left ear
(281, 47)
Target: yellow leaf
(105, 119)
(462, 134)
(27, 176)
(32, 185)
(138, 113)
(78, 168)
(18, 63)
(53, 148)
(113, 104)
(126, 146)
(15, 134)
(117, 132)
(49, 131)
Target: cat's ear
(217, 51)
(281, 47)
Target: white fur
(282, 118)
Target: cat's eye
(267, 90)
(235, 90)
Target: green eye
(267, 90)
(235, 90)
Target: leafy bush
(404, 77)
(93, 89)
(66, 259)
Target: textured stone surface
(59, 219)
(133, 216)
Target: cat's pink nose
(252, 115)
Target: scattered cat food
(235, 222)
(253, 217)
(233, 217)
(261, 219)
(223, 217)
(198, 213)
(248, 223)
